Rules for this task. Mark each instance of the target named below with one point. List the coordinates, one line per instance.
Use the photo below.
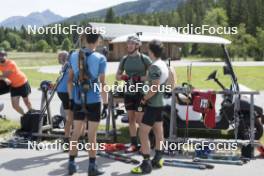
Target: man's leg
(139, 116)
(92, 133)
(16, 106)
(73, 148)
(157, 161)
(78, 125)
(145, 167)
(159, 136)
(27, 103)
(132, 118)
(144, 138)
(69, 122)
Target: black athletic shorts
(64, 97)
(93, 112)
(132, 102)
(4, 88)
(152, 115)
(22, 91)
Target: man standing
(157, 75)
(63, 93)
(133, 70)
(19, 86)
(87, 69)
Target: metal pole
(173, 124)
(252, 124)
(110, 102)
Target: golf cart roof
(175, 38)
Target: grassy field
(33, 59)
(7, 126)
(249, 76)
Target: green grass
(25, 59)
(7, 126)
(251, 77)
(36, 77)
(217, 59)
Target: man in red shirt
(19, 86)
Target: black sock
(72, 158)
(146, 156)
(134, 140)
(158, 154)
(92, 160)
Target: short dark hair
(92, 37)
(156, 47)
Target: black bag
(4, 88)
(30, 121)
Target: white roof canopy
(175, 38)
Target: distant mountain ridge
(134, 7)
(36, 18)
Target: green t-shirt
(135, 65)
(154, 73)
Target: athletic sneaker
(94, 171)
(157, 163)
(72, 168)
(131, 149)
(144, 168)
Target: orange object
(114, 147)
(16, 76)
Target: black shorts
(4, 88)
(152, 115)
(64, 97)
(132, 102)
(22, 91)
(93, 112)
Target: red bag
(204, 102)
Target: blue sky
(64, 8)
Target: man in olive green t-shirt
(133, 70)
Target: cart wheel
(244, 130)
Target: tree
(243, 44)
(25, 46)
(110, 16)
(260, 44)
(14, 39)
(42, 46)
(6, 45)
(214, 18)
(66, 44)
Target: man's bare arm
(69, 83)
(103, 92)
